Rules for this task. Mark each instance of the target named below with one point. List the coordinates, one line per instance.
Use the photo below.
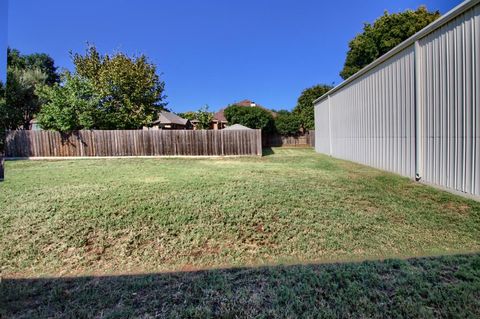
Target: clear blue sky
(3, 39)
(211, 52)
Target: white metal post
(330, 126)
(418, 138)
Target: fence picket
(132, 143)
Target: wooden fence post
(259, 142)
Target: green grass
(93, 219)
(147, 215)
(447, 287)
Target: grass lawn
(125, 216)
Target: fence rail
(25, 144)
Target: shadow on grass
(266, 151)
(426, 287)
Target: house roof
(237, 127)
(220, 116)
(165, 117)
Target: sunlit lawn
(104, 216)
(125, 216)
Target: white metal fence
(416, 110)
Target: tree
(304, 108)
(3, 118)
(287, 123)
(383, 35)
(22, 103)
(252, 117)
(131, 92)
(35, 61)
(3, 115)
(24, 74)
(204, 118)
(71, 106)
(188, 115)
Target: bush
(252, 117)
(287, 123)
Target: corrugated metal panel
(449, 104)
(372, 120)
(415, 110)
(322, 127)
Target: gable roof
(220, 116)
(165, 117)
(237, 127)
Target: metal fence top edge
(447, 17)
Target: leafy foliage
(288, 123)
(3, 116)
(252, 117)
(35, 61)
(71, 106)
(131, 92)
(188, 115)
(304, 108)
(24, 74)
(22, 103)
(383, 35)
(204, 118)
(105, 92)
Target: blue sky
(3, 38)
(210, 52)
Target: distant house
(170, 121)
(220, 121)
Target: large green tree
(383, 35)
(252, 117)
(34, 61)
(131, 91)
(71, 106)
(24, 74)
(22, 102)
(304, 108)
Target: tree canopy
(287, 123)
(204, 118)
(304, 108)
(24, 74)
(3, 116)
(252, 117)
(34, 61)
(130, 90)
(383, 35)
(105, 92)
(70, 106)
(190, 115)
(22, 102)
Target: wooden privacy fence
(307, 139)
(22, 144)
